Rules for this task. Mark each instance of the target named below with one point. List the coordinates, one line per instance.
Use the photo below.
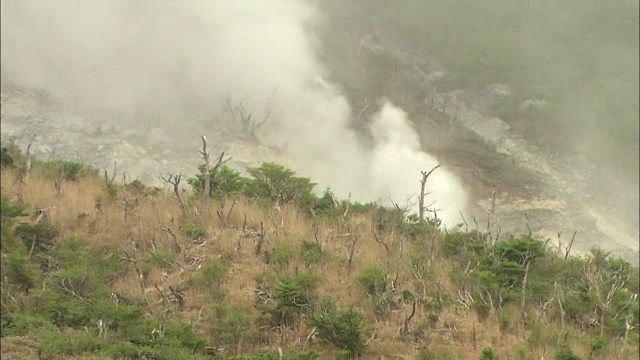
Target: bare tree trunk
(423, 183)
(561, 308)
(174, 180)
(27, 170)
(207, 170)
(573, 238)
(524, 288)
(210, 171)
(627, 327)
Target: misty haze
(530, 107)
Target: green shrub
(455, 243)
(276, 183)
(6, 160)
(293, 297)
(383, 304)
(373, 280)
(138, 188)
(215, 272)
(11, 155)
(231, 326)
(67, 170)
(598, 345)
(487, 354)
(343, 328)
(279, 255)
(192, 230)
(425, 354)
(20, 271)
(505, 318)
(10, 211)
(520, 249)
(38, 236)
(224, 182)
(566, 354)
(482, 309)
(312, 252)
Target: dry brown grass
(109, 231)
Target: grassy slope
(109, 232)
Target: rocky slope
(529, 189)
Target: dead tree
(174, 180)
(423, 183)
(109, 180)
(260, 236)
(628, 326)
(244, 118)
(573, 238)
(491, 221)
(222, 215)
(210, 171)
(604, 286)
(523, 292)
(28, 165)
(351, 250)
(404, 330)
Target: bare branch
(423, 183)
(573, 238)
(174, 180)
(405, 328)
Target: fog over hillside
(162, 62)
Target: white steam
(159, 60)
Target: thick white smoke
(161, 60)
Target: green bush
(343, 328)
(67, 170)
(224, 182)
(40, 236)
(294, 296)
(312, 252)
(10, 211)
(6, 160)
(566, 354)
(138, 188)
(231, 326)
(20, 271)
(193, 230)
(214, 273)
(598, 345)
(373, 280)
(279, 255)
(520, 249)
(11, 155)
(487, 354)
(276, 183)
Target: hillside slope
(94, 268)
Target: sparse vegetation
(83, 282)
